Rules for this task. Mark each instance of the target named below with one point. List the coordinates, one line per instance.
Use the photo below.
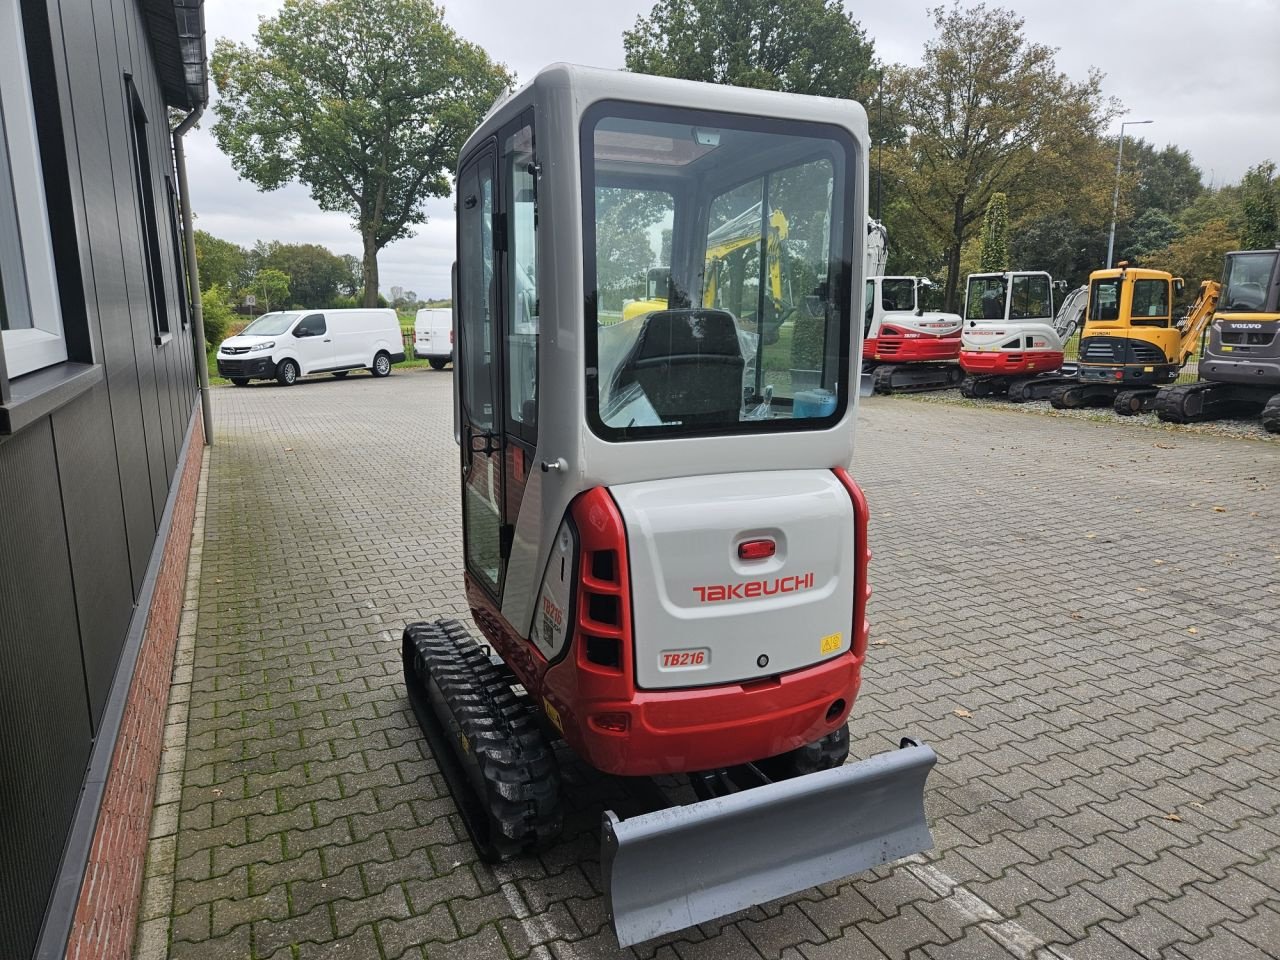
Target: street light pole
(1115, 197)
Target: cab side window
(519, 170)
(312, 326)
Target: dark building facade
(100, 444)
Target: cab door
(481, 434)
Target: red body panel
(896, 348)
(1010, 363)
(671, 731)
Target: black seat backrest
(689, 364)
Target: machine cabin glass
(1246, 281)
(718, 252)
(985, 298)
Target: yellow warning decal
(832, 643)
(552, 714)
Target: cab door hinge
(506, 536)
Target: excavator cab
(664, 547)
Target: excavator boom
(1198, 319)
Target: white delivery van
(284, 346)
(433, 336)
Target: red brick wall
(107, 912)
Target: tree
(799, 46)
(1151, 230)
(1165, 180)
(367, 102)
(1258, 196)
(995, 235)
(987, 112)
(221, 263)
(269, 287)
(314, 272)
(1198, 255)
(352, 276)
(1061, 245)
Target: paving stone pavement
(1081, 618)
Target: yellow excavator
(727, 248)
(1131, 344)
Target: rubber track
(495, 737)
(1271, 415)
(1124, 398)
(1170, 401)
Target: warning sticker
(832, 642)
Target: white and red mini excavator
(664, 543)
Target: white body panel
(931, 323)
(692, 595)
(352, 338)
(1012, 332)
(433, 334)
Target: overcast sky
(1206, 73)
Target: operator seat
(689, 364)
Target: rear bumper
(256, 368)
(1259, 371)
(1009, 362)
(398, 357)
(677, 731)
(891, 349)
(1128, 375)
(431, 355)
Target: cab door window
(312, 326)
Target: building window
(30, 316)
(147, 203)
(179, 254)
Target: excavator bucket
(674, 868)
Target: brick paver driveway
(1080, 618)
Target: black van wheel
(381, 364)
(437, 363)
(240, 381)
(286, 373)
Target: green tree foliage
(1061, 245)
(624, 243)
(314, 272)
(1260, 198)
(271, 287)
(1151, 230)
(799, 46)
(367, 102)
(987, 111)
(218, 315)
(1165, 180)
(221, 262)
(1199, 254)
(995, 235)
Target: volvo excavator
(1013, 342)
(1131, 345)
(1240, 368)
(664, 546)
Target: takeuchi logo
(716, 592)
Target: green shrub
(807, 342)
(218, 314)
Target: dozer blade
(671, 869)
(866, 383)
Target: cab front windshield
(270, 325)
(718, 253)
(985, 298)
(1247, 278)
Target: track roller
(975, 387)
(1129, 403)
(1068, 396)
(485, 738)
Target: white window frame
(26, 255)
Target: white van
(433, 336)
(284, 346)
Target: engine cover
(702, 613)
